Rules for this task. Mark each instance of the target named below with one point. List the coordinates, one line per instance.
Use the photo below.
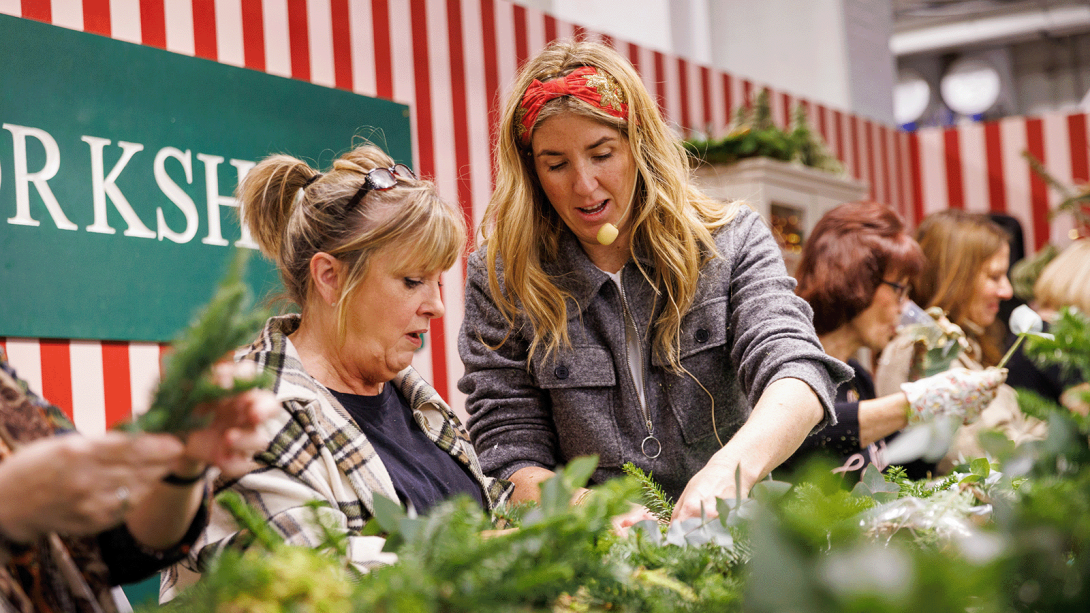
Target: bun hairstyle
(294, 212)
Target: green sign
(118, 165)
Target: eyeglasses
(380, 180)
(901, 290)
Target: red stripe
(153, 23)
(460, 113)
(40, 10)
(164, 351)
(997, 184)
(838, 119)
(1038, 189)
(634, 56)
(706, 96)
(786, 98)
(96, 17)
(683, 82)
(579, 33)
(728, 99)
(204, 29)
(342, 44)
(916, 175)
(116, 383)
(491, 77)
(955, 197)
(1080, 163)
(384, 57)
(608, 40)
(872, 173)
(822, 123)
(299, 39)
(522, 43)
(883, 150)
(853, 124)
(253, 35)
(747, 91)
(660, 82)
(4, 345)
(57, 374)
(550, 28)
(426, 150)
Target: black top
(842, 440)
(1023, 373)
(423, 474)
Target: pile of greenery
(1007, 534)
(754, 134)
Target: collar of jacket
(574, 272)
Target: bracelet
(174, 479)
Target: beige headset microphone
(609, 232)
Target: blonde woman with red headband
(614, 310)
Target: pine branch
(222, 325)
(654, 497)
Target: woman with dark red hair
(854, 272)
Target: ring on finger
(122, 494)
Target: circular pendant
(654, 444)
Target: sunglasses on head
(380, 180)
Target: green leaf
(981, 467)
(388, 514)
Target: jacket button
(702, 335)
(561, 372)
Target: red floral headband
(589, 84)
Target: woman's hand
(80, 485)
(959, 392)
(232, 438)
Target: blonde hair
(295, 212)
(671, 221)
(1066, 279)
(956, 244)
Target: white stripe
(720, 116)
(363, 48)
(125, 20)
(933, 169)
(179, 22)
(974, 168)
(88, 395)
(775, 106)
(274, 17)
(696, 98)
(320, 38)
(442, 115)
(67, 13)
(229, 41)
(535, 32)
(454, 299)
(673, 92)
(1012, 136)
(505, 46)
(477, 99)
(564, 29)
(404, 65)
(25, 356)
(11, 7)
(1058, 156)
(143, 374)
(647, 70)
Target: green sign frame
(118, 163)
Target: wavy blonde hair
(1065, 281)
(294, 212)
(672, 222)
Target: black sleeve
(129, 561)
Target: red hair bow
(589, 84)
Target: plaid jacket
(318, 453)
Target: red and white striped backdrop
(451, 62)
(980, 167)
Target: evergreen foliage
(224, 324)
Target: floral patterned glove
(958, 392)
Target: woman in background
(966, 277)
(855, 272)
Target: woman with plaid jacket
(360, 249)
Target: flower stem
(1010, 352)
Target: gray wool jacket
(746, 329)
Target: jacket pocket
(580, 385)
(705, 354)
